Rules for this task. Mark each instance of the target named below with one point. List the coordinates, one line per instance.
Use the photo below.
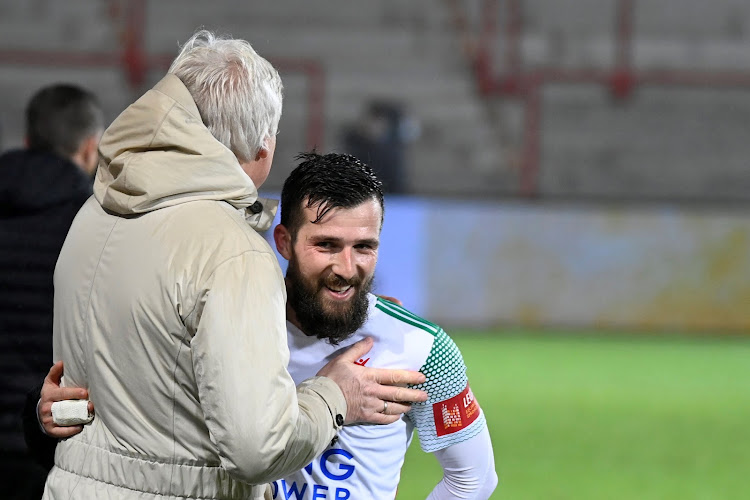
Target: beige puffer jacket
(169, 308)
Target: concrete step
(339, 15)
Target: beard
(325, 319)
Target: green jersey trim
(407, 317)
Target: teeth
(339, 290)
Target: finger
(356, 351)
(55, 373)
(395, 408)
(399, 394)
(91, 408)
(380, 418)
(64, 393)
(397, 377)
(45, 409)
(64, 432)
(391, 299)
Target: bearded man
(331, 215)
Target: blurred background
(569, 195)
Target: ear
(87, 154)
(283, 239)
(90, 153)
(267, 150)
(262, 154)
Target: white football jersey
(364, 461)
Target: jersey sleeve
(468, 470)
(450, 415)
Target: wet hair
(60, 117)
(238, 93)
(327, 181)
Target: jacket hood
(34, 180)
(158, 153)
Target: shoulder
(202, 238)
(218, 225)
(450, 415)
(442, 361)
(429, 346)
(390, 312)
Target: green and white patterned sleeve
(450, 415)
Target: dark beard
(314, 317)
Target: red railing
(136, 62)
(516, 82)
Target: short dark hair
(60, 117)
(329, 181)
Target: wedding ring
(385, 406)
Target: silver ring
(385, 406)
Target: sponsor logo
(362, 362)
(291, 491)
(451, 417)
(455, 413)
(333, 466)
(471, 406)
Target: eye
(324, 244)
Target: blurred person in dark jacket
(42, 188)
(380, 138)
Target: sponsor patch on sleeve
(456, 413)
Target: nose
(344, 265)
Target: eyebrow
(367, 241)
(371, 242)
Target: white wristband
(71, 412)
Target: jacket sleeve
(263, 427)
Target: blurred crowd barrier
(483, 264)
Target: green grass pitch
(607, 417)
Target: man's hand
(373, 395)
(52, 392)
(391, 299)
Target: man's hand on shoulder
(391, 299)
(51, 393)
(373, 395)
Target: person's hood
(33, 180)
(158, 153)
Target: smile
(342, 292)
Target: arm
(264, 427)
(468, 468)
(452, 426)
